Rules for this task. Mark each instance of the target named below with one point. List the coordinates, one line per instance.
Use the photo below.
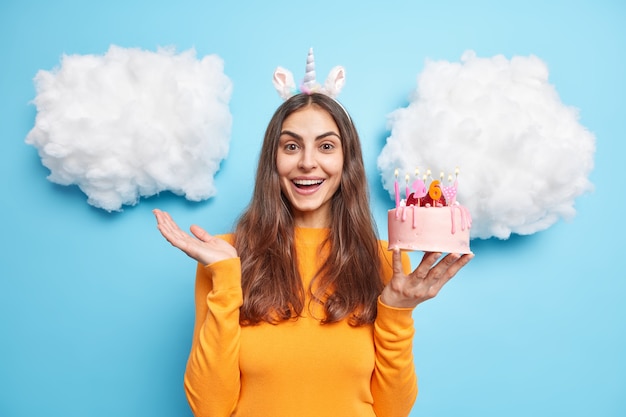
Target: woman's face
(309, 163)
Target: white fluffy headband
(285, 85)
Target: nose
(307, 159)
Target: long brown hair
(349, 281)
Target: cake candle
(397, 189)
(407, 190)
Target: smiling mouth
(307, 183)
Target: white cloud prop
(133, 123)
(522, 154)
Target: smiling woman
(303, 290)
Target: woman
(302, 311)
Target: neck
(317, 219)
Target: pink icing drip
(452, 218)
(414, 219)
(401, 211)
(463, 219)
(466, 218)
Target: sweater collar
(311, 235)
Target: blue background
(96, 310)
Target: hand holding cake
(424, 283)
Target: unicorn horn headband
(286, 87)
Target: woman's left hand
(424, 283)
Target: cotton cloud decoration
(522, 154)
(132, 123)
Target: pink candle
(397, 190)
(407, 191)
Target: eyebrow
(298, 137)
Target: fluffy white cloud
(522, 154)
(132, 123)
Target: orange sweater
(296, 368)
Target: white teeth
(308, 182)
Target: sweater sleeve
(394, 382)
(212, 377)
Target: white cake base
(430, 229)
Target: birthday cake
(429, 219)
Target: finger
(166, 225)
(447, 261)
(428, 260)
(169, 229)
(160, 218)
(447, 268)
(200, 233)
(158, 214)
(163, 218)
(396, 261)
(455, 263)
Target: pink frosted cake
(429, 220)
